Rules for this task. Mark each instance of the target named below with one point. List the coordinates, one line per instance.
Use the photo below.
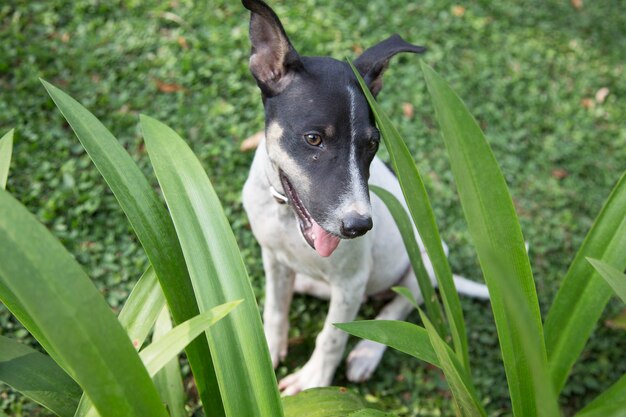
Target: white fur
(359, 267)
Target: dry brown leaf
(458, 11)
(358, 49)
(164, 87)
(559, 173)
(183, 42)
(587, 103)
(251, 142)
(408, 110)
(617, 322)
(578, 4)
(601, 95)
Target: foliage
(533, 377)
(530, 72)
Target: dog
(307, 198)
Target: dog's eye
(314, 139)
(372, 145)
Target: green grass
(528, 73)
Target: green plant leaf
(424, 219)
(169, 381)
(6, 148)
(142, 307)
(154, 228)
(169, 345)
(497, 235)
(400, 216)
(38, 377)
(583, 294)
(458, 380)
(401, 335)
(137, 317)
(72, 316)
(611, 403)
(323, 402)
(612, 276)
(240, 354)
(370, 412)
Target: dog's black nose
(355, 225)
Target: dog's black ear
(273, 60)
(374, 61)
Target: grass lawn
(545, 79)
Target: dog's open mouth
(319, 239)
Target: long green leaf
(6, 148)
(169, 381)
(611, 403)
(424, 219)
(583, 295)
(137, 317)
(72, 316)
(38, 377)
(240, 354)
(323, 402)
(458, 380)
(405, 337)
(496, 233)
(169, 345)
(369, 412)
(400, 216)
(154, 229)
(612, 276)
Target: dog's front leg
(278, 293)
(345, 300)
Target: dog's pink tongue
(325, 243)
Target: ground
(544, 79)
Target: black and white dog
(308, 200)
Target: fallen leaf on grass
(408, 110)
(251, 142)
(588, 103)
(617, 322)
(578, 4)
(559, 173)
(183, 42)
(601, 95)
(165, 87)
(458, 11)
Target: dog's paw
(310, 376)
(363, 360)
(278, 349)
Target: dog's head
(320, 132)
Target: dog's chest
(275, 227)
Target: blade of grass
(169, 381)
(400, 335)
(137, 317)
(400, 216)
(583, 294)
(611, 403)
(422, 214)
(154, 228)
(72, 315)
(240, 353)
(38, 377)
(496, 233)
(458, 380)
(6, 148)
(612, 276)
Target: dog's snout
(355, 225)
